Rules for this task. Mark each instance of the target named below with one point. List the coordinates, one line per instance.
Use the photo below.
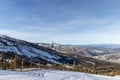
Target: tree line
(15, 62)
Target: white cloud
(42, 28)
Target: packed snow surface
(51, 75)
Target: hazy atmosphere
(61, 21)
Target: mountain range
(53, 53)
(106, 52)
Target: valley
(58, 57)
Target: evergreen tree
(15, 61)
(22, 62)
(11, 64)
(31, 63)
(3, 62)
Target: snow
(20, 47)
(98, 51)
(3, 36)
(51, 75)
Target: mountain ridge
(36, 53)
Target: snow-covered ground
(51, 75)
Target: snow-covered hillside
(27, 50)
(24, 48)
(111, 57)
(52, 75)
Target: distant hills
(52, 53)
(107, 52)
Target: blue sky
(62, 21)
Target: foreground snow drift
(51, 75)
